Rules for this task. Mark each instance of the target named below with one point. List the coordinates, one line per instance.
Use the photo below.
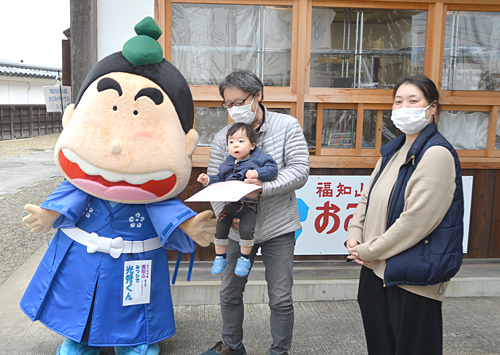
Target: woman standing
(407, 229)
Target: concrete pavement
(471, 324)
(26, 170)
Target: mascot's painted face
(124, 142)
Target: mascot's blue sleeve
(68, 200)
(167, 216)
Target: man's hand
(200, 228)
(39, 219)
(236, 224)
(254, 194)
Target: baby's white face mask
(410, 120)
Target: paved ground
(26, 171)
(471, 324)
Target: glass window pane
(366, 48)
(472, 51)
(464, 129)
(310, 116)
(211, 41)
(369, 128)
(497, 138)
(339, 129)
(389, 131)
(209, 121)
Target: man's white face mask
(410, 120)
(243, 113)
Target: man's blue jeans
(277, 255)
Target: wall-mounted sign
(57, 97)
(326, 205)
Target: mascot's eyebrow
(152, 93)
(108, 83)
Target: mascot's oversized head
(128, 137)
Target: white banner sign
(57, 98)
(326, 205)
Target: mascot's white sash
(112, 246)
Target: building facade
(22, 102)
(333, 64)
(22, 84)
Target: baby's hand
(203, 178)
(252, 174)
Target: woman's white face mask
(410, 120)
(243, 113)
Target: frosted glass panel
(211, 41)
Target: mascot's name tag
(136, 282)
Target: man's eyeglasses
(235, 103)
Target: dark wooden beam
(66, 62)
(83, 14)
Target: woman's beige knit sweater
(428, 196)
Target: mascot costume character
(125, 152)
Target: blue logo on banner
(303, 212)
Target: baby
(245, 161)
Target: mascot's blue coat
(125, 152)
(61, 292)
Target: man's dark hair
(249, 131)
(244, 80)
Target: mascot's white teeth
(134, 179)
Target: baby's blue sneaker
(142, 349)
(219, 265)
(70, 347)
(242, 267)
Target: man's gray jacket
(282, 137)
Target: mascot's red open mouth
(119, 190)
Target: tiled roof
(27, 71)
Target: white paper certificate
(227, 191)
(136, 282)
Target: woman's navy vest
(438, 256)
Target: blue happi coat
(69, 279)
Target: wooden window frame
(490, 151)
(201, 154)
(299, 92)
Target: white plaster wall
(19, 91)
(4, 92)
(116, 20)
(36, 91)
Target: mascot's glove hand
(200, 228)
(39, 219)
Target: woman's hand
(353, 254)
